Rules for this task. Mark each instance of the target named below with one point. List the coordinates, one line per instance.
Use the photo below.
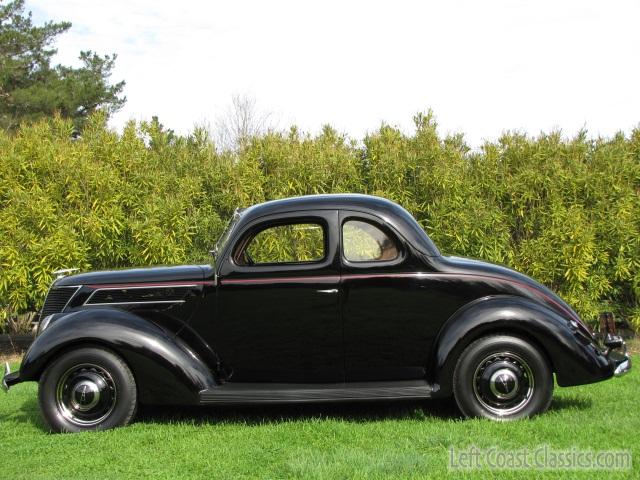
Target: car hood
(137, 275)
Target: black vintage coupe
(311, 299)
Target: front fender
(574, 357)
(166, 370)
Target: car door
(278, 312)
(387, 333)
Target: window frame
(384, 227)
(251, 232)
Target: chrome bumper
(623, 367)
(7, 371)
(615, 348)
(9, 379)
(618, 358)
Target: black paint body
(190, 329)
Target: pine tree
(31, 88)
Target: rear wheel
(90, 388)
(502, 377)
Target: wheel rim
(503, 383)
(86, 394)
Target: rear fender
(167, 370)
(574, 357)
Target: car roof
(335, 201)
(387, 210)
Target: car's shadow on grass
(30, 413)
(566, 403)
(441, 409)
(268, 414)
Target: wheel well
(480, 332)
(514, 332)
(76, 344)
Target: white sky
(482, 66)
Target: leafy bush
(565, 211)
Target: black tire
(89, 388)
(502, 377)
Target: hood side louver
(57, 300)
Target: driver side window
(289, 243)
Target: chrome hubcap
(86, 394)
(503, 383)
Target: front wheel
(90, 388)
(502, 377)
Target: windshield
(224, 238)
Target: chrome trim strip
(70, 298)
(120, 287)
(136, 303)
(192, 283)
(86, 302)
(277, 280)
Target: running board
(265, 393)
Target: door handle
(330, 290)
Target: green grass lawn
(401, 440)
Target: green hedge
(565, 211)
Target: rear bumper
(620, 362)
(615, 349)
(9, 379)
